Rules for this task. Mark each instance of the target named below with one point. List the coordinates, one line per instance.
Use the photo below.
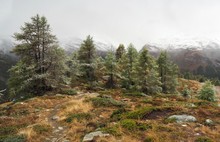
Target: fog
(117, 21)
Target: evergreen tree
(207, 92)
(40, 59)
(86, 59)
(168, 72)
(147, 77)
(74, 67)
(120, 51)
(127, 65)
(111, 70)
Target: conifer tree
(111, 70)
(86, 58)
(120, 51)
(127, 65)
(168, 73)
(74, 66)
(40, 59)
(147, 77)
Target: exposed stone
(183, 118)
(55, 117)
(192, 105)
(125, 100)
(60, 128)
(209, 122)
(89, 137)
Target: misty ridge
(113, 71)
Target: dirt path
(58, 134)
(59, 131)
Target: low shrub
(78, 116)
(140, 113)
(129, 124)
(149, 139)
(186, 93)
(8, 130)
(106, 102)
(134, 94)
(40, 129)
(207, 92)
(203, 139)
(68, 91)
(117, 114)
(114, 130)
(132, 125)
(13, 138)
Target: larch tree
(120, 51)
(148, 80)
(127, 65)
(111, 70)
(168, 73)
(41, 62)
(87, 56)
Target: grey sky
(117, 21)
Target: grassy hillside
(126, 117)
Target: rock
(56, 131)
(191, 105)
(125, 100)
(54, 140)
(36, 110)
(60, 128)
(197, 134)
(184, 125)
(196, 129)
(55, 117)
(89, 137)
(209, 122)
(106, 96)
(183, 118)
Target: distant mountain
(7, 59)
(198, 57)
(72, 44)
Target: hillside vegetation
(125, 96)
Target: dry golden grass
(37, 110)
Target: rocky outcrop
(90, 137)
(183, 118)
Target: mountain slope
(201, 58)
(7, 59)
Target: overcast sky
(117, 21)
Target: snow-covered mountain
(72, 44)
(196, 56)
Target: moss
(40, 129)
(106, 102)
(169, 120)
(8, 130)
(140, 113)
(149, 139)
(78, 116)
(68, 91)
(114, 130)
(117, 114)
(13, 138)
(129, 124)
(134, 94)
(203, 139)
(132, 125)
